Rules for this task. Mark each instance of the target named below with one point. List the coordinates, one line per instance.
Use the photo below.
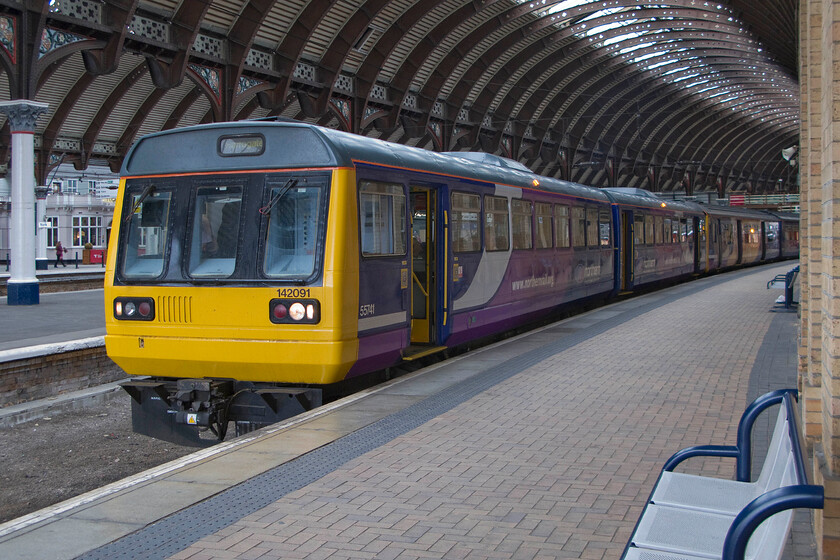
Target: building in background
(79, 208)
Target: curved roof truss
(608, 92)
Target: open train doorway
(627, 246)
(423, 207)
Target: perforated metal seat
(662, 529)
(716, 495)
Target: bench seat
(728, 497)
(692, 517)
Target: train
(254, 264)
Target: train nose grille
(174, 309)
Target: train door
(627, 255)
(713, 225)
(423, 259)
(700, 244)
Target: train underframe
(197, 412)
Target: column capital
(41, 192)
(23, 113)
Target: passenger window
(382, 208)
(146, 227)
(578, 226)
(683, 231)
(639, 229)
(543, 229)
(293, 218)
(215, 231)
(649, 237)
(604, 228)
(496, 230)
(592, 227)
(522, 237)
(466, 209)
(675, 231)
(561, 215)
(658, 228)
(668, 236)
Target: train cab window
(496, 230)
(383, 223)
(658, 228)
(522, 235)
(293, 221)
(638, 229)
(668, 234)
(543, 225)
(215, 231)
(592, 227)
(604, 231)
(466, 211)
(146, 232)
(578, 226)
(649, 237)
(561, 231)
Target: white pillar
(41, 259)
(22, 287)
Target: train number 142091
(293, 292)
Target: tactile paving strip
(178, 531)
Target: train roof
(641, 198)
(262, 144)
(734, 211)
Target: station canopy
(684, 96)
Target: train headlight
(286, 311)
(297, 311)
(134, 309)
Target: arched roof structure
(682, 95)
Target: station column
(819, 343)
(22, 287)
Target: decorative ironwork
(210, 76)
(23, 114)
(343, 110)
(53, 39)
(246, 83)
(8, 28)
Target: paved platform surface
(542, 446)
(59, 317)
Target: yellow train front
(225, 277)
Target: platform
(59, 317)
(543, 445)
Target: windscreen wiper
(265, 210)
(146, 192)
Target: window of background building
(86, 229)
(52, 231)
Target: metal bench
(691, 516)
(785, 281)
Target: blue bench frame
(800, 495)
(788, 278)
